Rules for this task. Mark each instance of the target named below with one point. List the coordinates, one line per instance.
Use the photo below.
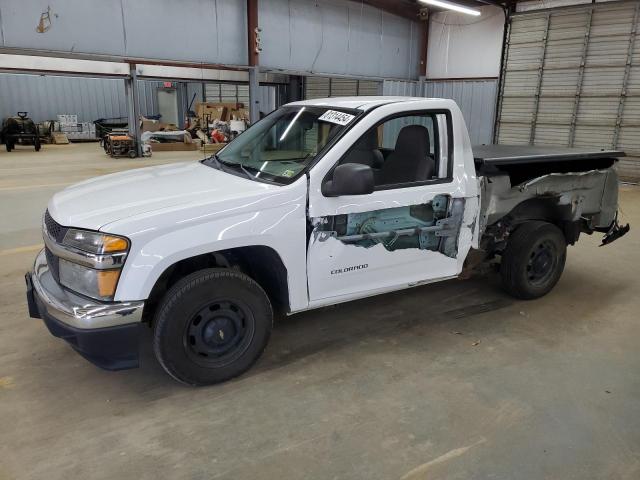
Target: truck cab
(321, 202)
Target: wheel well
(547, 209)
(261, 263)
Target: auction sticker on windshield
(333, 116)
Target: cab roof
(360, 103)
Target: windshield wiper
(249, 175)
(213, 159)
(238, 165)
(294, 159)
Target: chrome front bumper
(76, 311)
(106, 334)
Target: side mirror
(349, 179)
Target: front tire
(211, 326)
(534, 260)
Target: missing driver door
(402, 234)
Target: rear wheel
(37, 144)
(8, 146)
(212, 326)
(534, 260)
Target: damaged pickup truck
(321, 202)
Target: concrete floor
(448, 381)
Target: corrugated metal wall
(337, 37)
(141, 28)
(321, 36)
(476, 99)
(401, 88)
(44, 97)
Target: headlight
(96, 272)
(95, 242)
(98, 284)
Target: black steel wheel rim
(542, 262)
(219, 333)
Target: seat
(365, 151)
(411, 160)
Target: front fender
(281, 227)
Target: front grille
(56, 231)
(54, 264)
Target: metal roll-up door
(227, 93)
(343, 87)
(369, 88)
(323, 87)
(571, 77)
(212, 92)
(316, 87)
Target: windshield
(282, 145)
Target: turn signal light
(107, 281)
(114, 244)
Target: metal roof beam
(402, 8)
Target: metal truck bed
(497, 155)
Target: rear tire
(8, 146)
(534, 260)
(211, 326)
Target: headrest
(413, 139)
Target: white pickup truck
(321, 202)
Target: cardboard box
(173, 147)
(220, 111)
(156, 126)
(59, 138)
(150, 125)
(238, 114)
(67, 118)
(213, 147)
(211, 111)
(229, 105)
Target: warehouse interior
(453, 380)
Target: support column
(294, 90)
(127, 99)
(253, 50)
(424, 46)
(131, 88)
(254, 95)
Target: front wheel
(534, 260)
(211, 326)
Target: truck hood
(102, 200)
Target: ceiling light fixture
(452, 6)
